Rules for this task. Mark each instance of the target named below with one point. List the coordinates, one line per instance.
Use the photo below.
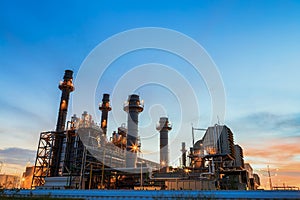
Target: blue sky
(255, 45)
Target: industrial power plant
(80, 154)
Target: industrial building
(8, 181)
(26, 179)
(79, 155)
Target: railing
(155, 194)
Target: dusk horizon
(247, 77)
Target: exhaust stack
(133, 106)
(66, 86)
(164, 127)
(105, 108)
(183, 150)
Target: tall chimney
(133, 107)
(183, 150)
(66, 86)
(164, 127)
(105, 108)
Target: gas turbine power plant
(79, 155)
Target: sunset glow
(253, 44)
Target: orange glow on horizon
(281, 154)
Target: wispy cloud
(17, 156)
(11, 110)
(271, 139)
(267, 121)
(276, 150)
(281, 154)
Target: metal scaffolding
(43, 158)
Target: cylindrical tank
(164, 126)
(105, 108)
(133, 107)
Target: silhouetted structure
(105, 108)
(164, 127)
(183, 156)
(133, 107)
(80, 156)
(66, 86)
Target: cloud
(282, 152)
(279, 153)
(276, 150)
(10, 110)
(17, 156)
(290, 173)
(271, 139)
(266, 121)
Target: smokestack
(164, 127)
(133, 107)
(105, 108)
(183, 150)
(66, 86)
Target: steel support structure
(43, 158)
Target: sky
(253, 44)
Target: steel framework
(43, 158)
